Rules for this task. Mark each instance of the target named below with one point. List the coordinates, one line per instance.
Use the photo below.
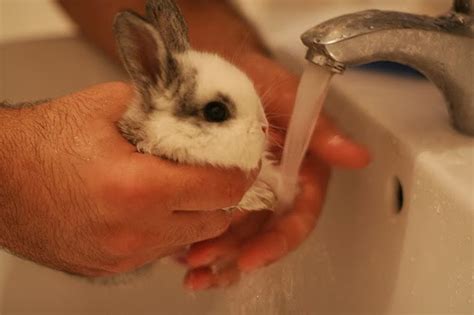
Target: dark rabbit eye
(216, 112)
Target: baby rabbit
(192, 107)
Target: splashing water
(312, 92)
(272, 290)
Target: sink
(395, 238)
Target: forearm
(13, 212)
(214, 25)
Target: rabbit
(192, 107)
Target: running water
(312, 92)
(273, 290)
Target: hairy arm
(74, 194)
(214, 25)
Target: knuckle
(126, 190)
(123, 243)
(222, 222)
(214, 226)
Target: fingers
(137, 243)
(191, 227)
(257, 250)
(204, 278)
(254, 248)
(208, 252)
(329, 144)
(288, 231)
(226, 247)
(148, 179)
(185, 187)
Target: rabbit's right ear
(143, 52)
(166, 16)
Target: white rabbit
(192, 107)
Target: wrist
(9, 156)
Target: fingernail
(199, 261)
(337, 140)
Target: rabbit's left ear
(144, 54)
(168, 20)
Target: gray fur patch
(132, 130)
(184, 94)
(145, 56)
(186, 105)
(166, 16)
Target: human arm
(77, 197)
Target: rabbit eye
(216, 112)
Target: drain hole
(399, 196)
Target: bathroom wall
(26, 19)
(31, 19)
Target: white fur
(239, 142)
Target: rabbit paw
(262, 196)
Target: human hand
(256, 239)
(77, 197)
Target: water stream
(310, 97)
(272, 290)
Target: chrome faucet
(440, 48)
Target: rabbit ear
(144, 53)
(168, 20)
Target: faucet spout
(440, 48)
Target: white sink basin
(366, 255)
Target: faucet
(440, 48)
